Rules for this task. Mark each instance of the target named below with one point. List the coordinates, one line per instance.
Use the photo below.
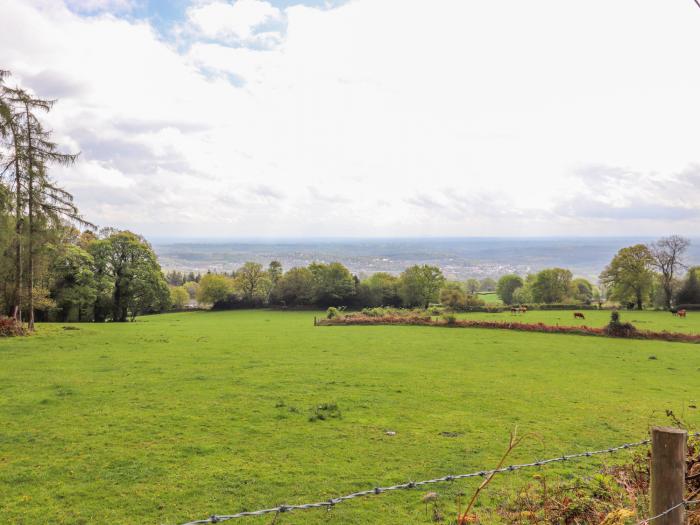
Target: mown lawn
(644, 320)
(179, 416)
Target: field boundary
(355, 320)
(330, 503)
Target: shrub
(616, 328)
(332, 313)
(9, 327)
(450, 319)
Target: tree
(453, 296)
(191, 287)
(274, 272)
(252, 282)
(552, 285)
(487, 285)
(506, 286)
(380, 289)
(420, 285)
(332, 284)
(690, 291)
(582, 290)
(74, 288)
(138, 284)
(34, 152)
(667, 258)
(472, 286)
(179, 297)
(629, 275)
(294, 287)
(214, 288)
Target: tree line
(53, 266)
(637, 276)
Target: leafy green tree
(179, 297)
(74, 287)
(294, 288)
(523, 295)
(552, 285)
(380, 289)
(138, 282)
(420, 285)
(506, 286)
(629, 275)
(472, 286)
(214, 288)
(274, 272)
(582, 290)
(191, 287)
(333, 284)
(252, 282)
(690, 290)
(452, 296)
(34, 152)
(487, 285)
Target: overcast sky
(370, 117)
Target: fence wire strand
(669, 511)
(413, 484)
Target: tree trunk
(30, 215)
(639, 301)
(17, 308)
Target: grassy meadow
(180, 416)
(644, 320)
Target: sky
(252, 118)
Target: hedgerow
(620, 330)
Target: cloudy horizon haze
(364, 118)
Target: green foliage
(506, 287)
(214, 288)
(179, 297)
(331, 284)
(129, 263)
(74, 287)
(252, 283)
(552, 285)
(487, 285)
(452, 296)
(420, 285)
(690, 291)
(628, 277)
(472, 286)
(582, 290)
(294, 288)
(380, 289)
(332, 313)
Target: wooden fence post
(668, 447)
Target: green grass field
(179, 416)
(645, 320)
(490, 298)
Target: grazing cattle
(518, 310)
(681, 313)
(579, 315)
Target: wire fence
(669, 510)
(452, 477)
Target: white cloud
(378, 117)
(238, 21)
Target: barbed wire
(413, 484)
(669, 511)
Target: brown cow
(579, 315)
(681, 313)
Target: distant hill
(459, 258)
